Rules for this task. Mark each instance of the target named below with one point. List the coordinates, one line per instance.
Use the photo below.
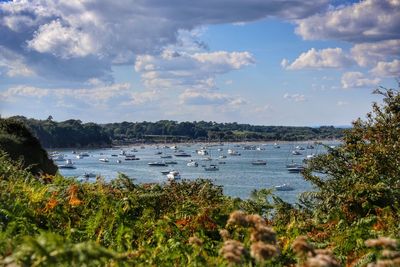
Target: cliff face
(20, 144)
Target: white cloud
(369, 53)
(176, 68)
(82, 39)
(62, 41)
(193, 97)
(325, 58)
(13, 64)
(295, 97)
(387, 69)
(357, 80)
(363, 21)
(94, 96)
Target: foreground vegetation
(74, 133)
(352, 217)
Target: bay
(237, 176)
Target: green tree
(20, 144)
(362, 174)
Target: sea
(237, 175)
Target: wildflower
(51, 204)
(232, 251)
(261, 251)
(195, 241)
(382, 242)
(237, 218)
(263, 233)
(301, 246)
(321, 260)
(224, 234)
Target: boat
(173, 175)
(114, 155)
(122, 152)
(284, 187)
(89, 175)
(276, 145)
(165, 172)
(166, 156)
(182, 154)
(131, 157)
(296, 153)
(300, 148)
(296, 169)
(158, 153)
(173, 147)
(202, 152)
(222, 157)
(68, 165)
(192, 163)
(219, 149)
(233, 152)
(157, 164)
(206, 159)
(119, 161)
(260, 148)
(259, 162)
(310, 147)
(84, 154)
(211, 167)
(79, 156)
(171, 162)
(221, 162)
(103, 159)
(58, 157)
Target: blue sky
(260, 62)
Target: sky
(276, 62)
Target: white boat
(233, 152)
(212, 167)
(206, 159)
(296, 153)
(79, 156)
(192, 163)
(222, 157)
(284, 187)
(300, 148)
(296, 169)
(276, 145)
(202, 152)
(119, 161)
(219, 149)
(174, 147)
(173, 175)
(103, 159)
(58, 157)
(68, 165)
(260, 148)
(259, 162)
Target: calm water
(238, 176)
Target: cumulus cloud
(193, 97)
(91, 96)
(295, 97)
(13, 65)
(363, 21)
(324, 58)
(82, 39)
(182, 70)
(357, 80)
(369, 53)
(387, 69)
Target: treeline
(74, 133)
